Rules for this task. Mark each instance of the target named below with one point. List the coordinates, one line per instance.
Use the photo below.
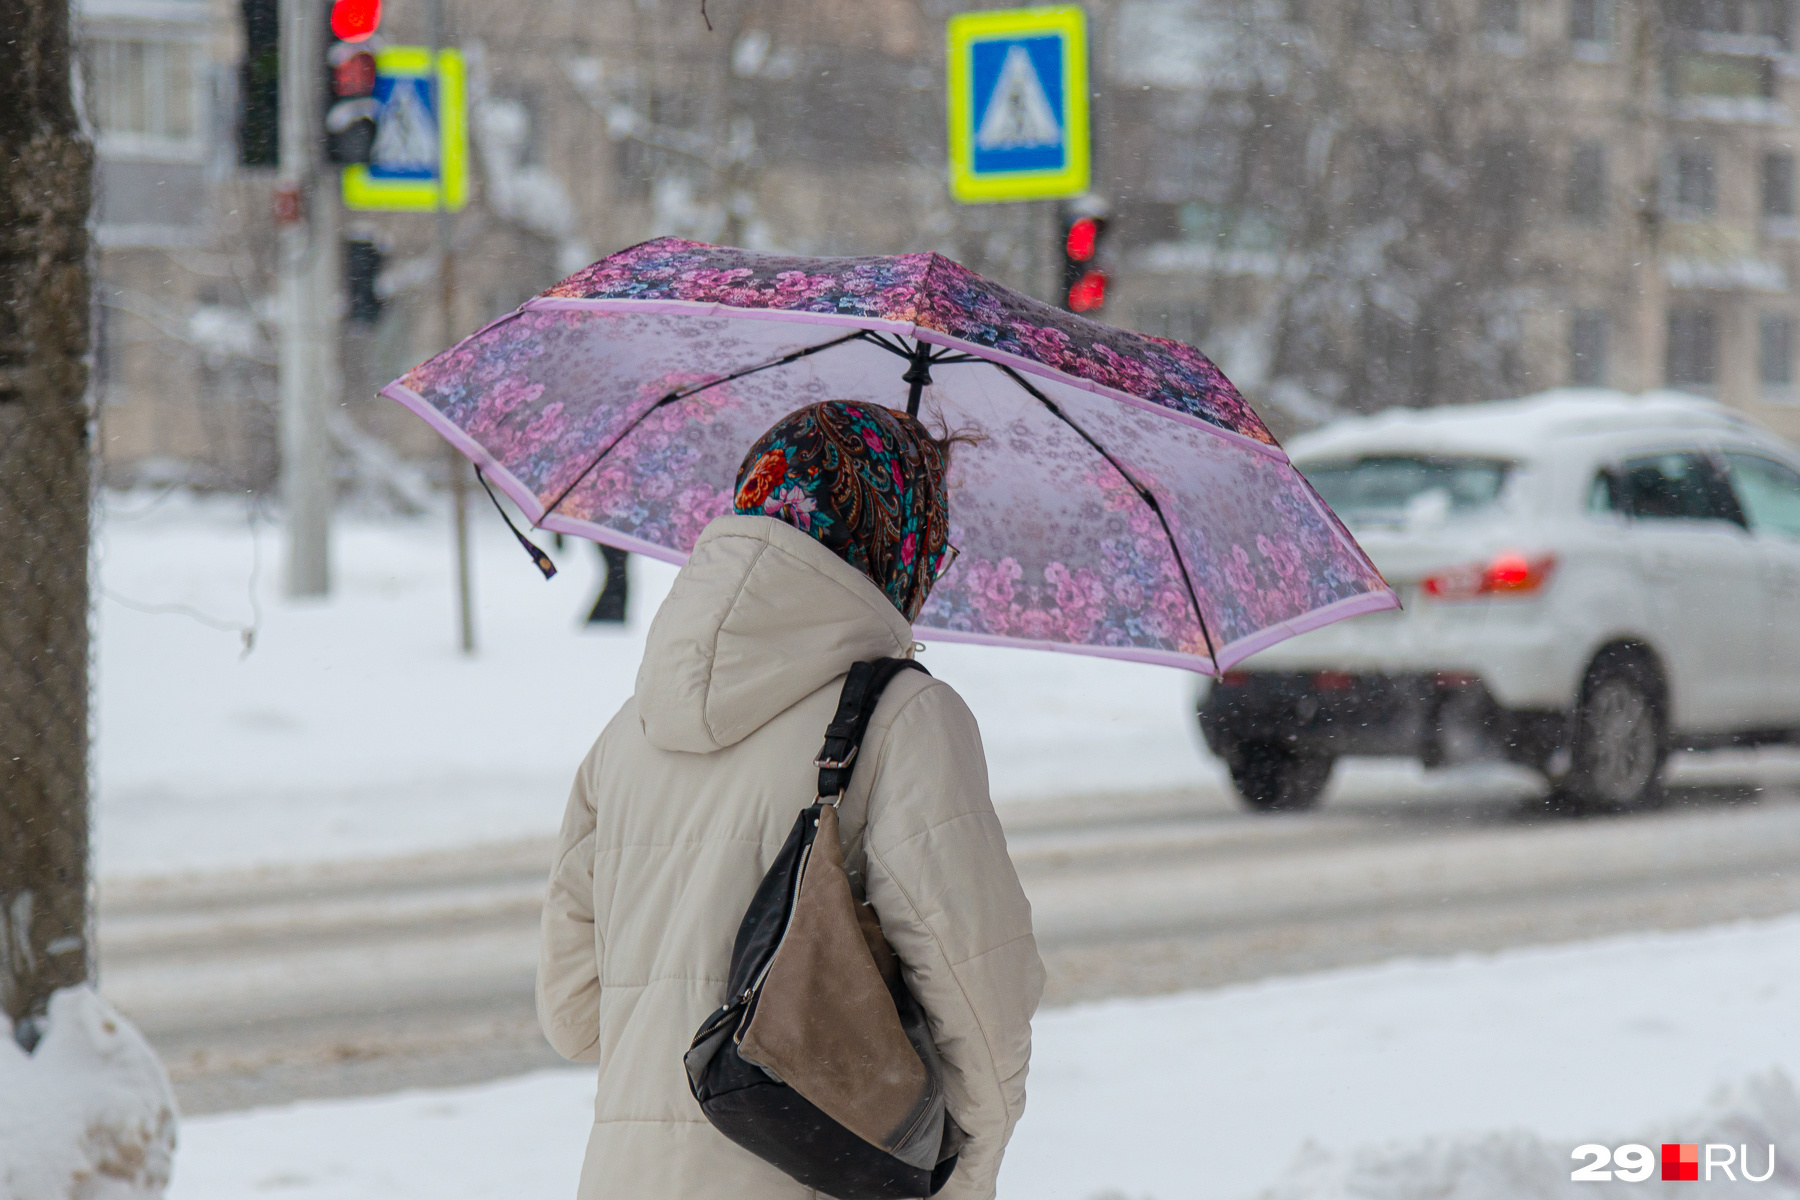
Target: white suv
(1589, 580)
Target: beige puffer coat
(681, 807)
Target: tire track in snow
(264, 986)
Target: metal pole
(446, 256)
(307, 215)
(459, 509)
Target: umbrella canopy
(1126, 501)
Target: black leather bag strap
(856, 704)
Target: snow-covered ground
(353, 727)
(1463, 1079)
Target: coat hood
(761, 617)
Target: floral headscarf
(866, 481)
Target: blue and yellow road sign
(421, 136)
(1018, 104)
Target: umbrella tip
(539, 559)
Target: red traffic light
(1084, 232)
(355, 20)
(1088, 293)
(352, 73)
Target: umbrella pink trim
(879, 325)
(1231, 655)
(490, 466)
(1350, 606)
(1198, 663)
(1324, 511)
(557, 523)
(517, 492)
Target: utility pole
(46, 173)
(458, 468)
(307, 212)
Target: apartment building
(1423, 201)
(1349, 204)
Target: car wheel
(1272, 778)
(1620, 742)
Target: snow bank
(1460, 1079)
(1759, 1112)
(1216, 1093)
(88, 1115)
(518, 1139)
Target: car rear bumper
(1440, 717)
(1524, 656)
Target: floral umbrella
(1126, 501)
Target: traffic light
(355, 20)
(350, 76)
(259, 86)
(362, 267)
(1084, 283)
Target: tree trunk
(46, 173)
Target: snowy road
(365, 977)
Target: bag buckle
(830, 764)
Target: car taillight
(1333, 681)
(1235, 678)
(1508, 573)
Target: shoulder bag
(820, 1061)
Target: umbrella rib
(897, 347)
(683, 394)
(918, 375)
(1144, 493)
(869, 335)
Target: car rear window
(1678, 486)
(1385, 489)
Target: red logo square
(1680, 1161)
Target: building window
(1500, 17)
(1740, 18)
(1768, 18)
(1777, 184)
(145, 97)
(1693, 347)
(1587, 348)
(1694, 190)
(1200, 166)
(1775, 351)
(1391, 22)
(1739, 76)
(1590, 23)
(1587, 182)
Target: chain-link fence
(43, 701)
(45, 172)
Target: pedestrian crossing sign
(1018, 104)
(419, 127)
